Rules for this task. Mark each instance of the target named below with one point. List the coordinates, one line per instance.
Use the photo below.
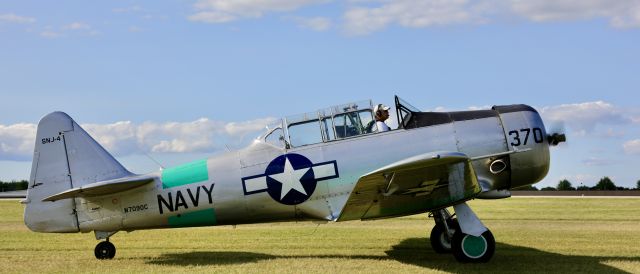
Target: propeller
(556, 133)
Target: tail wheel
(105, 250)
(472, 249)
(440, 240)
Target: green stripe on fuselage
(185, 174)
(203, 217)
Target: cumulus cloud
(622, 13)
(17, 141)
(632, 147)
(364, 17)
(78, 26)
(595, 161)
(16, 19)
(50, 34)
(130, 9)
(70, 29)
(126, 138)
(222, 11)
(585, 117)
(314, 23)
(407, 13)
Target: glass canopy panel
(304, 129)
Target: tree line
(604, 184)
(13, 185)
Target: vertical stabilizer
(65, 157)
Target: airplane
(330, 165)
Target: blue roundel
(290, 179)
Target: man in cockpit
(381, 113)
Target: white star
(290, 179)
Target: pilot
(381, 113)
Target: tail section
(65, 157)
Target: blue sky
(180, 80)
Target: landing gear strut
(442, 233)
(448, 235)
(105, 250)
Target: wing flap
(413, 185)
(102, 188)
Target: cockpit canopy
(325, 125)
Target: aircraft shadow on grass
(418, 252)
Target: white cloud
(126, 137)
(364, 17)
(485, 107)
(17, 19)
(212, 17)
(314, 23)
(78, 26)
(595, 161)
(50, 34)
(632, 147)
(222, 11)
(75, 28)
(407, 13)
(243, 128)
(620, 13)
(585, 117)
(17, 141)
(130, 9)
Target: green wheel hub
(474, 247)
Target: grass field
(533, 235)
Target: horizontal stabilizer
(102, 188)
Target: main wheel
(440, 241)
(105, 250)
(472, 249)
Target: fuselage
(246, 186)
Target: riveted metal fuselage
(230, 188)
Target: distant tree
(529, 188)
(13, 185)
(549, 188)
(605, 184)
(638, 184)
(583, 188)
(565, 185)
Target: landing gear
(443, 231)
(471, 249)
(105, 250)
(455, 236)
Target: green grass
(533, 235)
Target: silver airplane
(329, 165)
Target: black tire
(105, 251)
(471, 249)
(439, 240)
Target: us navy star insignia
(290, 179)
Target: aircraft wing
(413, 185)
(102, 188)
